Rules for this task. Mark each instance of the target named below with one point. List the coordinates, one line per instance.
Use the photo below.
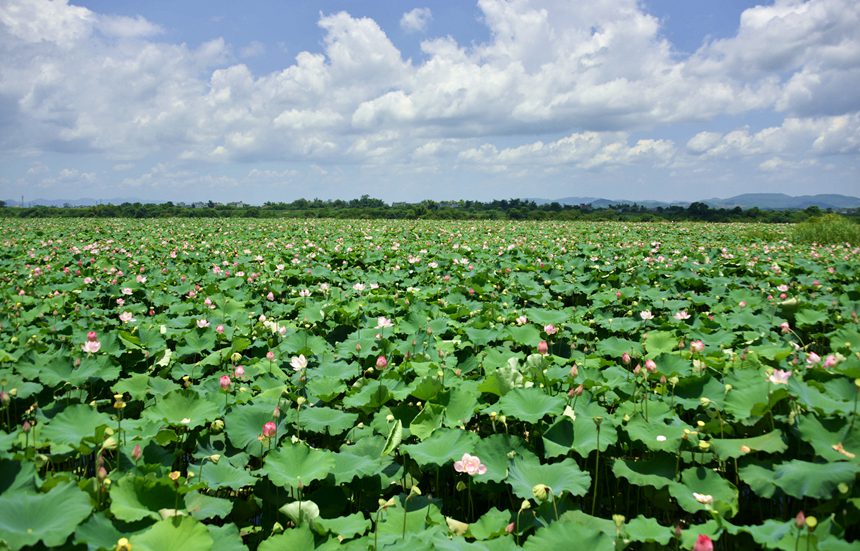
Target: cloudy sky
(443, 99)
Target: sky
(406, 100)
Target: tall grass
(830, 228)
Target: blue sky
(408, 100)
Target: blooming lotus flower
(270, 296)
(550, 329)
(126, 317)
(298, 362)
(812, 358)
(681, 315)
(646, 315)
(522, 320)
(831, 360)
(202, 323)
(304, 293)
(127, 291)
(704, 499)
(703, 543)
(219, 328)
(779, 377)
(359, 287)
(784, 327)
(470, 464)
(697, 346)
(239, 371)
(91, 347)
(383, 322)
(225, 382)
(269, 429)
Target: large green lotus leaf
(824, 435)
(418, 517)
(660, 342)
(527, 335)
(290, 465)
(184, 408)
(227, 537)
(673, 365)
(614, 347)
(223, 475)
(360, 460)
(444, 542)
(658, 471)
(565, 476)
(802, 479)
(325, 388)
(345, 527)
(482, 337)
(69, 428)
(585, 437)
(656, 435)
(326, 420)
(493, 451)
(460, 403)
(646, 529)
(562, 533)
(544, 316)
(749, 394)
(732, 448)
(98, 532)
(491, 524)
(202, 506)
(812, 398)
(244, 424)
(445, 445)
(759, 478)
(558, 439)
(370, 397)
(26, 518)
(16, 476)
(809, 318)
(295, 538)
(707, 482)
(530, 404)
(427, 421)
(134, 497)
(183, 533)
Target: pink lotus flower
(779, 377)
(270, 296)
(304, 293)
(225, 382)
(697, 346)
(269, 429)
(127, 291)
(470, 464)
(682, 315)
(703, 543)
(831, 360)
(126, 317)
(219, 328)
(91, 347)
(543, 348)
(202, 323)
(550, 329)
(784, 327)
(239, 372)
(92, 336)
(812, 359)
(522, 320)
(646, 315)
(381, 362)
(382, 322)
(298, 362)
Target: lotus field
(426, 385)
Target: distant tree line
(367, 207)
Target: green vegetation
(370, 208)
(476, 385)
(827, 229)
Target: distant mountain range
(764, 201)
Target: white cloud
(252, 49)
(595, 72)
(416, 20)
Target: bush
(830, 228)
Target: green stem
(596, 473)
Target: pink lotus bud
(25, 426)
(784, 327)
(625, 358)
(800, 520)
(225, 383)
(650, 366)
(239, 371)
(270, 296)
(542, 347)
(219, 328)
(270, 355)
(637, 369)
(381, 362)
(102, 474)
(703, 543)
(136, 453)
(92, 336)
(574, 371)
(509, 528)
(697, 346)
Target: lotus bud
(525, 505)
(122, 544)
(540, 492)
(800, 520)
(217, 425)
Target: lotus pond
(443, 385)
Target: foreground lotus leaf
(27, 518)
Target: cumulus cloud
(595, 72)
(416, 20)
